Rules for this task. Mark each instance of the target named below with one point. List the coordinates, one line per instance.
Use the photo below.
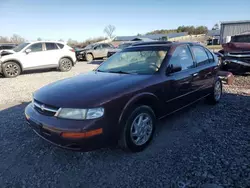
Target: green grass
(214, 47)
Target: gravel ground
(203, 146)
(20, 89)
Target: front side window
(51, 46)
(134, 62)
(200, 55)
(98, 47)
(36, 47)
(182, 56)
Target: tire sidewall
(4, 72)
(217, 80)
(126, 133)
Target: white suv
(36, 55)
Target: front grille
(45, 109)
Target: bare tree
(16, 39)
(109, 30)
(4, 39)
(39, 39)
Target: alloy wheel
(141, 129)
(12, 69)
(217, 91)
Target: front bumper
(236, 62)
(50, 128)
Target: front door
(179, 89)
(99, 51)
(34, 58)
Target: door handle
(195, 74)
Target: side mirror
(173, 68)
(27, 51)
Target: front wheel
(11, 69)
(215, 96)
(138, 130)
(89, 57)
(65, 64)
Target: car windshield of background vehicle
(20, 47)
(243, 38)
(134, 62)
(89, 46)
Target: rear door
(205, 70)
(179, 89)
(52, 54)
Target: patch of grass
(214, 47)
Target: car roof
(159, 44)
(49, 41)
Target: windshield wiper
(119, 72)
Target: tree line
(191, 30)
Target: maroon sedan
(120, 101)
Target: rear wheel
(65, 64)
(215, 96)
(11, 69)
(89, 57)
(138, 129)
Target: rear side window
(210, 56)
(182, 56)
(60, 45)
(51, 46)
(200, 55)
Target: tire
(89, 57)
(129, 141)
(11, 69)
(65, 64)
(216, 94)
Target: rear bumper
(51, 128)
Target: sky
(83, 19)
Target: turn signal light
(77, 135)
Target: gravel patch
(20, 89)
(202, 146)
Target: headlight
(70, 113)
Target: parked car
(36, 55)
(119, 48)
(235, 55)
(121, 101)
(93, 51)
(7, 46)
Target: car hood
(6, 52)
(88, 90)
(236, 47)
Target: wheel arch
(68, 58)
(146, 98)
(13, 60)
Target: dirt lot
(201, 145)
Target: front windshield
(20, 47)
(89, 46)
(134, 62)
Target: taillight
(72, 50)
